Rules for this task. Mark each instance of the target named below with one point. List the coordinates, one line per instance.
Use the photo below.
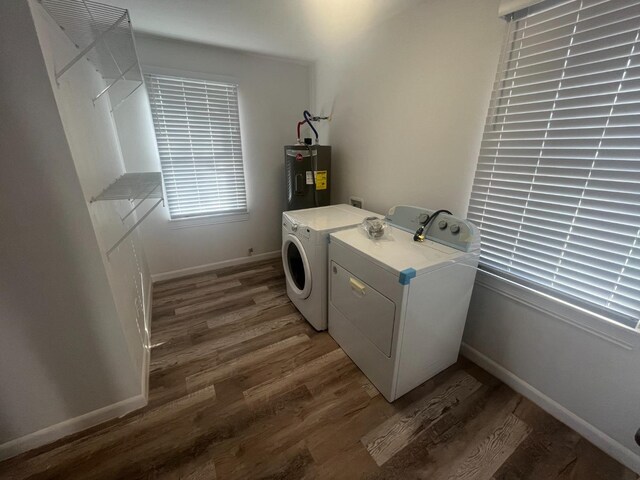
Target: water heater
(308, 175)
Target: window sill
(597, 325)
(205, 220)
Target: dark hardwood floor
(242, 387)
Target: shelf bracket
(133, 227)
(139, 203)
(128, 95)
(120, 77)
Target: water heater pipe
(307, 117)
(298, 130)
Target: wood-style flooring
(242, 387)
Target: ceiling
(298, 29)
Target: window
(556, 193)
(198, 133)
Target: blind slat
(556, 193)
(198, 134)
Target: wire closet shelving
(133, 186)
(102, 34)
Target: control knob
(442, 224)
(294, 227)
(455, 229)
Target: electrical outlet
(250, 252)
(356, 202)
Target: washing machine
(305, 235)
(397, 307)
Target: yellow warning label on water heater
(321, 180)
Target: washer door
(296, 267)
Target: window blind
(556, 193)
(197, 127)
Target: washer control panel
(445, 229)
(289, 226)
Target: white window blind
(197, 128)
(556, 193)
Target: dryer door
(296, 267)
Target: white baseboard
(77, 424)
(607, 444)
(73, 425)
(183, 272)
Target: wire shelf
(103, 34)
(133, 186)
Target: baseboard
(77, 424)
(607, 444)
(157, 277)
(73, 425)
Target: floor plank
(485, 460)
(241, 387)
(396, 433)
(237, 365)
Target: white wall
(272, 95)
(62, 349)
(581, 369)
(409, 100)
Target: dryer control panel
(445, 229)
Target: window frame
(557, 304)
(207, 218)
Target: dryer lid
(396, 252)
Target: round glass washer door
(296, 267)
